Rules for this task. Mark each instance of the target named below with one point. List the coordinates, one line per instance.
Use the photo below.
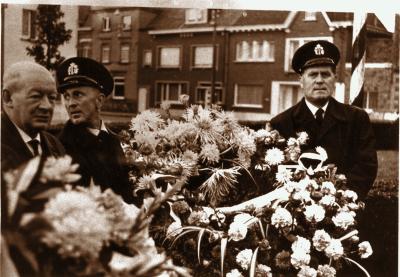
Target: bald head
(28, 96)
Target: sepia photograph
(212, 138)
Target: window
(106, 24)
(310, 16)
(289, 95)
(85, 51)
(126, 22)
(147, 58)
(248, 96)
(170, 91)
(292, 44)
(370, 100)
(28, 24)
(203, 93)
(105, 53)
(169, 57)
(202, 56)
(125, 53)
(195, 16)
(119, 88)
(255, 51)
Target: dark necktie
(103, 135)
(35, 146)
(319, 116)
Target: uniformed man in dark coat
(344, 131)
(85, 84)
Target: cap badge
(73, 69)
(319, 50)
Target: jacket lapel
(334, 114)
(304, 120)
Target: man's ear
(100, 100)
(6, 98)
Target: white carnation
(365, 249)
(314, 212)
(301, 245)
(299, 259)
(243, 258)
(237, 231)
(328, 188)
(321, 240)
(281, 218)
(334, 249)
(343, 219)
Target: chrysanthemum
(326, 271)
(274, 156)
(60, 170)
(198, 218)
(334, 249)
(73, 236)
(245, 142)
(283, 175)
(243, 258)
(210, 153)
(146, 121)
(230, 123)
(321, 240)
(147, 142)
(144, 183)
(365, 249)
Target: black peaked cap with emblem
(79, 71)
(315, 53)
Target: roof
(261, 17)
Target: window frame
(117, 81)
(236, 90)
(106, 24)
(310, 16)
(85, 48)
(158, 63)
(31, 32)
(162, 82)
(103, 46)
(122, 45)
(124, 27)
(207, 85)
(204, 16)
(268, 59)
(288, 60)
(144, 64)
(193, 56)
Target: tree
(51, 33)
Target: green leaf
(253, 262)
(359, 266)
(261, 228)
(47, 194)
(224, 243)
(199, 238)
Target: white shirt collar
(314, 108)
(26, 138)
(97, 131)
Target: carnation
(301, 245)
(274, 156)
(327, 200)
(307, 271)
(328, 188)
(291, 142)
(299, 259)
(350, 195)
(302, 195)
(281, 218)
(263, 271)
(326, 271)
(321, 240)
(315, 213)
(302, 137)
(237, 231)
(334, 249)
(343, 219)
(243, 258)
(234, 273)
(365, 249)
(282, 260)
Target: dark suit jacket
(99, 158)
(346, 134)
(14, 151)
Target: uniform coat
(346, 134)
(14, 151)
(100, 158)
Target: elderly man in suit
(343, 131)
(85, 84)
(28, 98)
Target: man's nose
(319, 78)
(45, 103)
(70, 102)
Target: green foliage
(51, 33)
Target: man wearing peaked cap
(344, 131)
(85, 84)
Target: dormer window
(195, 16)
(106, 24)
(310, 16)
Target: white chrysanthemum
(307, 271)
(60, 170)
(326, 271)
(234, 273)
(73, 236)
(262, 133)
(365, 249)
(146, 141)
(274, 156)
(245, 142)
(244, 158)
(302, 137)
(343, 219)
(263, 270)
(283, 175)
(328, 188)
(208, 130)
(281, 218)
(229, 121)
(334, 249)
(174, 229)
(314, 212)
(301, 245)
(327, 200)
(210, 153)
(146, 121)
(237, 231)
(321, 240)
(352, 195)
(322, 152)
(243, 258)
(300, 259)
(291, 142)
